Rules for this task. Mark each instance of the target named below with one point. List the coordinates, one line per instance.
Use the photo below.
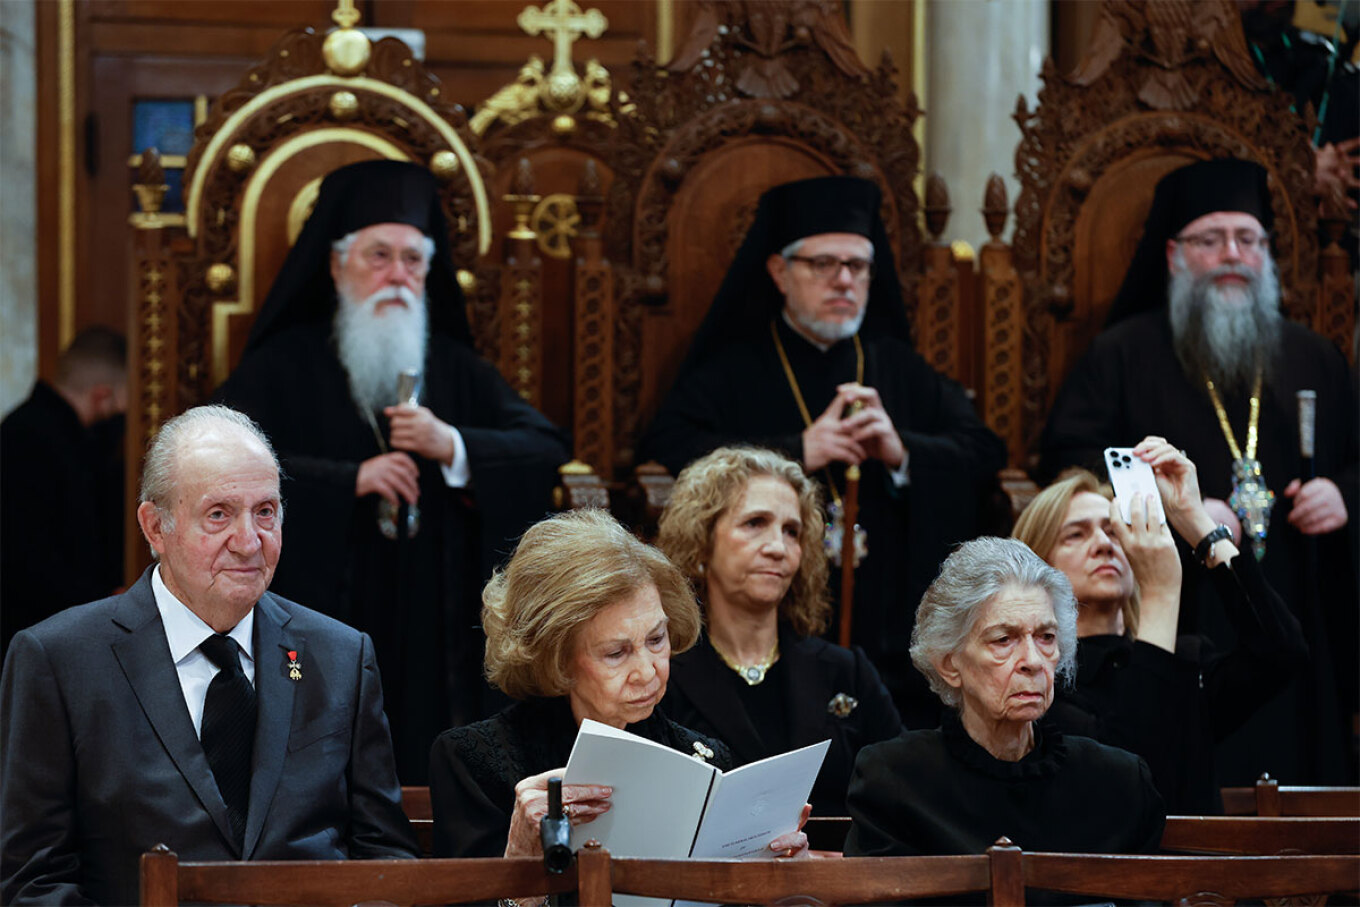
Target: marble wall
(982, 55)
(18, 204)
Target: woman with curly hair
(745, 525)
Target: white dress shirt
(185, 631)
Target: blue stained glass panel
(165, 124)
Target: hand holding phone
(1130, 476)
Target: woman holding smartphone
(1140, 686)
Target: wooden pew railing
(1268, 798)
(1191, 834)
(1000, 877)
(167, 882)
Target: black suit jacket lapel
(274, 691)
(702, 676)
(144, 656)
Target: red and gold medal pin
(294, 666)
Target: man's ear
(778, 266)
(153, 527)
(948, 671)
(335, 267)
(1171, 257)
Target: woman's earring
(702, 568)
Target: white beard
(831, 331)
(374, 349)
(1225, 333)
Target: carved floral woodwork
(1168, 80)
(752, 71)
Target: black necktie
(229, 729)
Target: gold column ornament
(345, 50)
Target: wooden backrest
(849, 881)
(1201, 880)
(1261, 835)
(757, 95)
(1164, 83)
(166, 881)
(1268, 798)
(415, 802)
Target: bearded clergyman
(410, 466)
(1196, 350)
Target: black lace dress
(939, 792)
(474, 769)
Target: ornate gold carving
(467, 281)
(345, 15)
(564, 124)
(347, 52)
(523, 200)
(554, 221)
(240, 158)
(66, 172)
(150, 190)
(444, 165)
(299, 86)
(301, 208)
(343, 106)
(560, 90)
(220, 277)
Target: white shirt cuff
(901, 478)
(457, 474)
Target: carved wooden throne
(317, 103)
(759, 94)
(1164, 83)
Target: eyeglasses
(827, 267)
(380, 258)
(1214, 241)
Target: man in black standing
(397, 509)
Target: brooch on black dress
(841, 705)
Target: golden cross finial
(563, 21)
(345, 15)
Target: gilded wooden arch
(288, 122)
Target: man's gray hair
(970, 578)
(794, 247)
(158, 472)
(342, 246)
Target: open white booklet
(671, 805)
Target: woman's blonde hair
(1042, 521)
(709, 487)
(564, 571)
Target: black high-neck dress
(938, 792)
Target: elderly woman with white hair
(994, 633)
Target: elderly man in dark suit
(196, 709)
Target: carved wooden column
(938, 302)
(593, 360)
(153, 341)
(1335, 315)
(1004, 318)
(521, 361)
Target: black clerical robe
(815, 691)
(474, 769)
(61, 510)
(419, 598)
(742, 395)
(1172, 708)
(1129, 385)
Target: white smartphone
(1130, 476)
